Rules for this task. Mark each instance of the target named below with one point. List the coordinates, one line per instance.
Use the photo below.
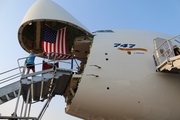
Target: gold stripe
(132, 49)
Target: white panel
(49, 10)
(128, 86)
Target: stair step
(9, 92)
(40, 86)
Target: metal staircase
(9, 92)
(164, 57)
(9, 85)
(34, 87)
(42, 83)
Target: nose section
(47, 12)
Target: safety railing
(20, 70)
(55, 56)
(9, 76)
(14, 74)
(71, 63)
(18, 118)
(165, 50)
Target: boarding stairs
(164, 57)
(9, 92)
(34, 87)
(42, 83)
(9, 85)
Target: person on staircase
(30, 61)
(176, 50)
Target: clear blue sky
(153, 15)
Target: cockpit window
(108, 30)
(102, 31)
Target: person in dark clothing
(30, 62)
(176, 50)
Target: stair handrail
(24, 67)
(16, 117)
(6, 79)
(51, 59)
(164, 50)
(166, 41)
(10, 70)
(55, 56)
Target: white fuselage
(128, 86)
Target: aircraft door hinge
(96, 66)
(92, 75)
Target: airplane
(122, 75)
